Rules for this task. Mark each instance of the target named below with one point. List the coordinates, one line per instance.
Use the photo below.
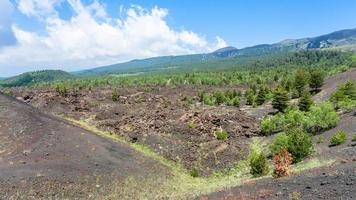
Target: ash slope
(36, 147)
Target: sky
(80, 34)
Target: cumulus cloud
(91, 37)
(6, 34)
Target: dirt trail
(36, 148)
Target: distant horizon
(73, 35)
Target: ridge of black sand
(36, 146)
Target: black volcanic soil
(161, 118)
(42, 154)
(337, 181)
(332, 82)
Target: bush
(321, 117)
(272, 124)
(261, 96)
(114, 95)
(338, 138)
(279, 142)
(194, 173)
(221, 135)
(345, 96)
(282, 162)
(299, 144)
(259, 165)
(280, 100)
(316, 80)
(305, 102)
(354, 137)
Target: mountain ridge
(342, 40)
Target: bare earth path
(37, 151)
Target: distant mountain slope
(31, 78)
(343, 40)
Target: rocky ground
(161, 118)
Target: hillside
(31, 78)
(341, 40)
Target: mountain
(30, 78)
(342, 40)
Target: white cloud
(91, 38)
(38, 8)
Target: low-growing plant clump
(296, 141)
(282, 162)
(228, 97)
(320, 117)
(345, 96)
(259, 165)
(338, 138)
(221, 135)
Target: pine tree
(316, 80)
(261, 96)
(305, 102)
(280, 99)
(300, 80)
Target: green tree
(261, 96)
(300, 144)
(305, 102)
(280, 99)
(316, 80)
(259, 165)
(300, 80)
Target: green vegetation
(338, 138)
(301, 79)
(345, 96)
(280, 99)
(114, 95)
(305, 102)
(354, 137)
(320, 117)
(260, 70)
(32, 78)
(299, 144)
(261, 96)
(316, 80)
(228, 97)
(259, 165)
(221, 135)
(279, 142)
(62, 90)
(296, 141)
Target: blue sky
(79, 34)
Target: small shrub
(279, 142)
(305, 102)
(221, 135)
(354, 137)
(321, 117)
(272, 124)
(299, 144)
(194, 172)
(114, 95)
(259, 165)
(338, 138)
(282, 162)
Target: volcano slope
(42, 156)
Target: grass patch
(180, 183)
